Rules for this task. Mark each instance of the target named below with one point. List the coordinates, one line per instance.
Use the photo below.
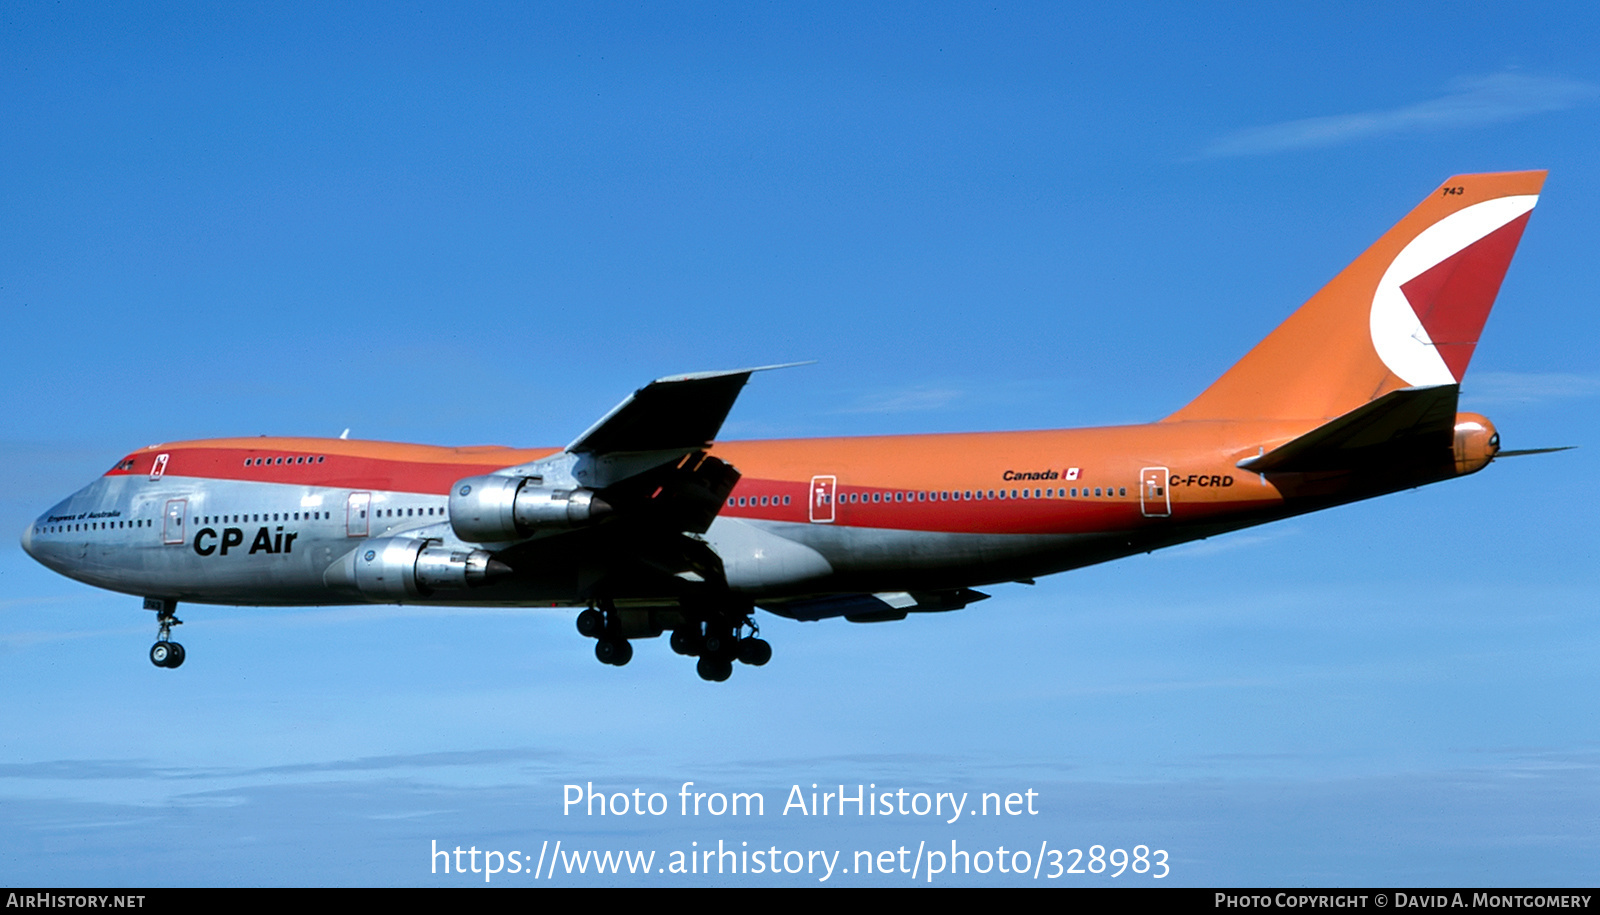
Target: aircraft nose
(27, 540)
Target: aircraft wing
(1397, 425)
(676, 413)
(661, 423)
(645, 462)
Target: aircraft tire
(161, 654)
(722, 645)
(615, 652)
(591, 623)
(685, 642)
(754, 652)
(175, 659)
(714, 669)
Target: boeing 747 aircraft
(646, 524)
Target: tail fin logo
(1433, 300)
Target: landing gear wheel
(616, 652)
(166, 654)
(720, 644)
(685, 642)
(714, 669)
(754, 652)
(591, 623)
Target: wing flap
(874, 608)
(685, 495)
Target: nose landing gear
(165, 652)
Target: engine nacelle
(494, 509)
(401, 568)
(1477, 442)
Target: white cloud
(1227, 543)
(1527, 387)
(1471, 102)
(905, 401)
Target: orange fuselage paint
(1087, 480)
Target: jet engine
(401, 568)
(494, 509)
(1476, 443)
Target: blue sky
(489, 225)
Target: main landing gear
(165, 652)
(717, 638)
(605, 627)
(719, 642)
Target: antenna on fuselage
(345, 434)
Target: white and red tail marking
(1432, 302)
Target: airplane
(646, 524)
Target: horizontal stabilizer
(1398, 424)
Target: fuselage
(267, 521)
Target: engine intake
(400, 568)
(494, 509)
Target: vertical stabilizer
(1406, 313)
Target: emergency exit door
(821, 499)
(1154, 494)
